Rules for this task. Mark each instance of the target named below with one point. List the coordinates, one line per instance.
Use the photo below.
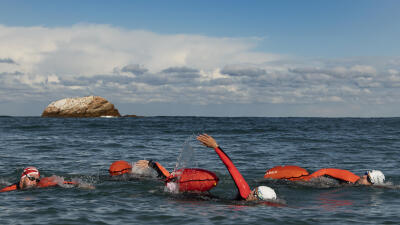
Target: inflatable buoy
(286, 172)
(193, 179)
(120, 167)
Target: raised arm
(241, 184)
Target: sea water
(83, 149)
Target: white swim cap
(265, 193)
(376, 177)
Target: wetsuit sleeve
(339, 174)
(241, 184)
(161, 171)
(12, 187)
(52, 181)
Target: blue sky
(309, 28)
(256, 58)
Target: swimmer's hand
(87, 186)
(144, 164)
(80, 184)
(207, 141)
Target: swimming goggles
(368, 178)
(32, 178)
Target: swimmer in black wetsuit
(123, 167)
(182, 180)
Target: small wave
(388, 185)
(319, 182)
(4, 182)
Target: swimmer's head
(263, 193)
(30, 171)
(29, 177)
(375, 177)
(120, 167)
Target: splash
(138, 171)
(172, 187)
(185, 160)
(186, 157)
(4, 182)
(58, 180)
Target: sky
(203, 58)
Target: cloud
(88, 49)
(134, 69)
(7, 60)
(93, 80)
(179, 70)
(239, 70)
(137, 66)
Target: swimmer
(263, 193)
(182, 180)
(30, 178)
(296, 173)
(122, 167)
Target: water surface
(84, 149)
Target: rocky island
(90, 106)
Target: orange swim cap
(120, 167)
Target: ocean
(83, 148)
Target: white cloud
(363, 69)
(136, 66)
(95, 49)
